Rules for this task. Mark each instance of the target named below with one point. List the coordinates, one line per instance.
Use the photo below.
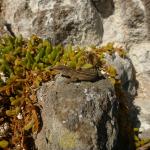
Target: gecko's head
(60, 67)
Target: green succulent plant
(25, 64)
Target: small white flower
(18, 145)
(2, 131)
(88, 98)
(85, 91)
(3, 76)
(19, 116)
(116, 53)
(88, 49)
(80, 116)
(103, 72)
(64, 122)
(6, 126)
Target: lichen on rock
(86, 110)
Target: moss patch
(68, 140)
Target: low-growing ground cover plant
(24, 65)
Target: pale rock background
(125, 22)
(130, 26)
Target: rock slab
(78, 116)
(66, 21)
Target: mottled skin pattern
(91, 74)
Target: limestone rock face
(125, 72)
(66, 21)
(140, 55)
(130, 26)
(78, 116)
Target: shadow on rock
(105, 8)
(128, 114)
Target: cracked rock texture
(130, 26)
(78, 116)
(67, 21)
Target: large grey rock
(140, 55)
(78, 116)
(130, 26)
(125, 72)
(65, 21)
(142, 101)
(129, 23)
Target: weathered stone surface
(130, 26)
(142, 101)
(125, 71)
(128, 23)
(88, 22)
(65, 21)
(78, 116)
(140, 55)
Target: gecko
(90, 74)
